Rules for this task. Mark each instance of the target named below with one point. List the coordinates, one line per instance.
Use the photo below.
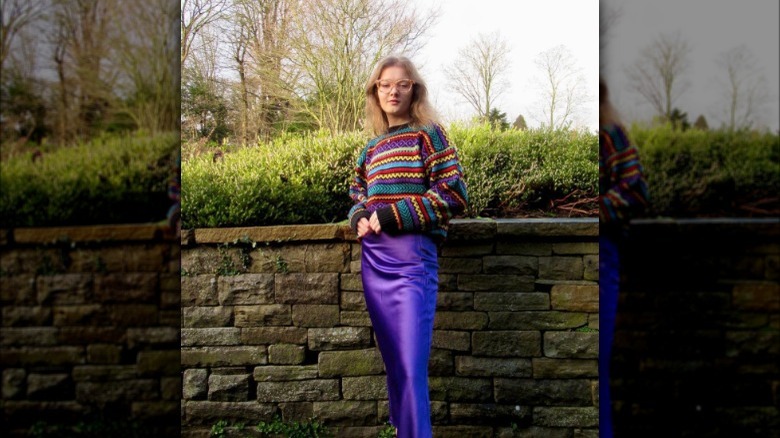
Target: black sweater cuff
(387, 220)
(356, 218)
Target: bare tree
(146, 52)
(293, 65)
(23, 109)
(562, 88)
(15, 15)
(260, 46)
(335, 48)
(202, 88)
(609, 13)
(62, 101)
(195, 16)
(104, 64)
(745, 90)
(83, 31)
(239, 43)
(478, 74)
(657, 75)
(21, 92)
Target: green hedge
(305, 178)
(108, 180)
(511, 170)
(697, 173)
(293, 179)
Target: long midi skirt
(609, 286)
(400, 281)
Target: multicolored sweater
(174, 192)
(622, 188)
(412, 178)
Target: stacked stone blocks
(699, 328)
(90, 326)
(514, 343)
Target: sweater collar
(395, 128)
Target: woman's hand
(363, 228)
(373, 222)
(370, 225)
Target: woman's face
(396, 101)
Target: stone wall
(271, 321)
(90, 329)
(274, 322)
(698, 330)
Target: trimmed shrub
(510, 171)
(108, 180)
(292, 179)
(697, 173)
(305, 178)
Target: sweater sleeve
(624, 193)
(446, 196)
(358, 193)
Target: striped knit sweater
(413, 180)
(622, 187)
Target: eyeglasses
(402, 85)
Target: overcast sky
(529, 27)
(710, 27)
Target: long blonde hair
(607, 113)
(420, 110)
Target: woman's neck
(398, 121)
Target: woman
(173, 216)
(408, 185)
(622, 195)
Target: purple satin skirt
(400, 281)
